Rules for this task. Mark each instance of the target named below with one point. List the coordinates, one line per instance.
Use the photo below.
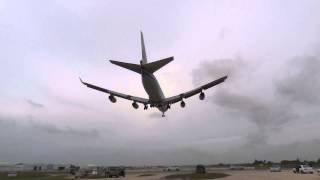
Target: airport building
(5, 167)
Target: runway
(234, 175)
(266, 175)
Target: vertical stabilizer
(143, 50)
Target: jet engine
(183, 104)
(202, 96)
(112, 99)
(135, 105)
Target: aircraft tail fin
(156, 65)
(143, 51)
(150, 67)
(133, 67)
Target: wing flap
(117, 94)
(177, 98)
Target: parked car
(303, 169)
(200, 169)
(12, 174)
(235, 167)
(172, 168)
(115, 172)
(275, 168)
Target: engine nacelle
(135, 105)
(183, 104)
(202, 96)
(112, 99)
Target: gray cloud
(45, 127)
(268, 117)
(270, 112)
(68, 131)
(302, 83)
(34, 104)
(234, 68)
(7, 122)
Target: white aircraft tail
(149, 67)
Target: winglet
(81, 81)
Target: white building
(4, 166)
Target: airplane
(151, 85)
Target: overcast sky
(267, 109)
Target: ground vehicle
(235, 167)
(172, 168)
(115, 172)
(12, 174)
(275, 168)
(200, 169)
(304, 169)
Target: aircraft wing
(177, 98)
(114, 93)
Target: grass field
(194, 176)
(32, 176)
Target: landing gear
(163, 115)
(202, 96)
(145, 107)
(183, 104)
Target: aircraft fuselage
(153, 89)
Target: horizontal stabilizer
(156, 65)
(133, 67)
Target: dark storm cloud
(34, 104)
(299, 83)
(303, 84)
(268, 116)
(219, 67)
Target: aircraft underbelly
(152, 88)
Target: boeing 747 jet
(151, 85)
